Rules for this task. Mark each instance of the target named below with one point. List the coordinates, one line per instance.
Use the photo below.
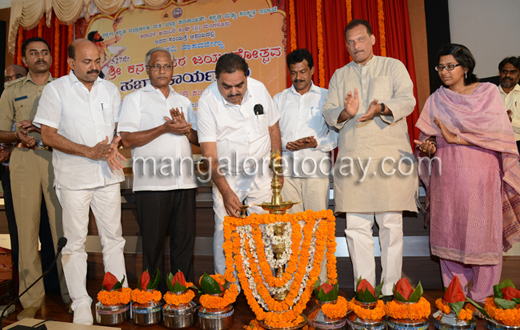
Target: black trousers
(160, 213)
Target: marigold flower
(337, 310)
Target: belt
(39, 145)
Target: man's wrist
(382, 109)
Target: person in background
(509, 74)
(475, 174)
(31, 170)
(158, 123)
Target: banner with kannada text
(197, 33)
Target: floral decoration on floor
(408, 302)
(217, 291)
(504, 306)
(179, 292)
(146, 291)
(112, 292)
(455, 300)
(365, 293)
(249, 247)
(334, 306)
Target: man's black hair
(515, 61)
(33, 39)
(298, 56)
(356, 22)
(230, 63)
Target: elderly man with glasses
(158, 124)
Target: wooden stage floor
(54, 309)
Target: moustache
(41, 62)
(231, 95)
(299, 81)
(93, 71)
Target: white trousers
(313, 193)
(361, 246)
(257, 196)
(105, 203)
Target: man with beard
(237, 124)
(159, 124)
(509, 73)
(31, 171)
(78, 116)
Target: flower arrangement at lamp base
(408, 310)
(218, 295)
(504, 307)
(147, 305)
(331, 310)
(179, 311)
(455, 309)
(113, 305)
(366, 310)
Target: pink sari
(479, 118)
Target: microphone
(61, 244)
(258, 109)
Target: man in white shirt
(306, 138)
(509, 74)
(368, 101)
(153, 124)
(237, 126)
(78, 114)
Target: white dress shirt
(301, 117)
(145, 109)
(512, 102)
(243, 140)
(84, 117)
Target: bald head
(13, 72)
(85, 61)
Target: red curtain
(58, 36)
(334, 19)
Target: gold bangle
(188, 134)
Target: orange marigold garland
(211, 302)
(504, 306)
(286, 313)
(56, 56)
(143, 297)
(412, 311)
(178, 293)
(367, 314)
(19, 42)
(337, 310)
(292, 23)
(465, 314)
(117, 297)
(349, 18)
(509, 317)
(321, 69)
(179, 299)
(381, 20)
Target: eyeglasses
(157, 67)
(448, 67)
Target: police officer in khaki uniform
(31, 171)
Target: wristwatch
(383, 108)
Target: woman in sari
(473, 185)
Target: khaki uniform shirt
(375, 170)
(512, 102)
(19, 102)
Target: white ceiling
(5, 4)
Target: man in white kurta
(159, 124)
(374, 175)
(78, 114)
(236, 136)
(509, 75)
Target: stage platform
(54, 309)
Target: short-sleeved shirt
(512, 102)
(242, 137)
(166, 163)
(19, 102)
(83, 117)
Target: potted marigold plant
(147, 306)
(113, 305)
(408, 307)
(330, 310)
(504, 307)
(179, 311)
(366, 309)
(455, 309)
(217, 297)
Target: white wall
(489, 28)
